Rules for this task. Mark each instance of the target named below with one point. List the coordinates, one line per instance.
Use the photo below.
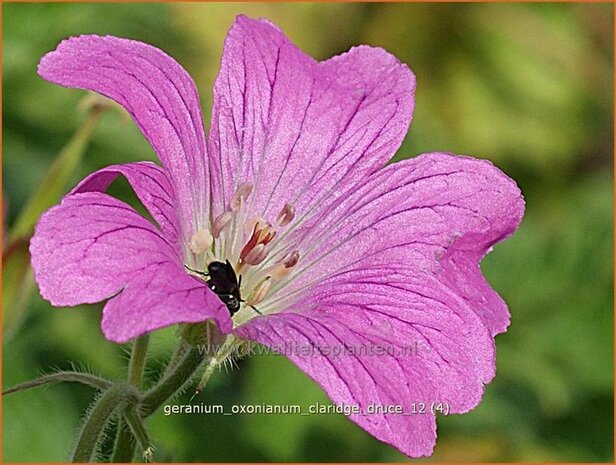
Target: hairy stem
(137, 361)
(177, 356)
(137, 426)
(124, 447)
(219, 357)
(172, 382)
(112, 400)
(59, 377)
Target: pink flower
(334, 248)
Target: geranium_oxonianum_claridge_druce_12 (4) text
(285, 225)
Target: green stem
(221, 355)
(172, 382)
(74, 376)
(137, 361)
(124, 448)
(177, 356)
(139, 431)
(113, 399)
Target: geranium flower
(334, 248)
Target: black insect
(222, 280)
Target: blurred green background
(528, 86)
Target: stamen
(252, 222)
(283, 268)
(266, 235)
(279, 271)
(286, 215)
(260, 292)
(256, 255)
(200, 242)
(220, 223)
(247, 241)
(261, 234)
(292, 259)
(241, 194)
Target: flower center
(246, 241)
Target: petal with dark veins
(438, 213)
(93, 247)
(151, 186)
(386, 337)
(302, 131)
(159, 95)
(376, 270)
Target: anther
(260, 292)
(256, 255)
(286, 215)
(283, 268)
(258, 221)
(220, 222)
(291, 260)
(261, 234)
(241, 194)
(200, 242)
(266, 234)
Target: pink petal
(376, 270)
(161, 296)
(437, 213)
(93, 247)
(300, 130)
(151, 185)
(434, 350)
(159, 95)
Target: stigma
(254, 247)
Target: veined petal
(159, 95)
(93, 247)
(151, 185)
(437, 213)
(377, 270)
(161, 296)
(302, 131)
(386, 337)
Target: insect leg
(255, 309)
(201, 273)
